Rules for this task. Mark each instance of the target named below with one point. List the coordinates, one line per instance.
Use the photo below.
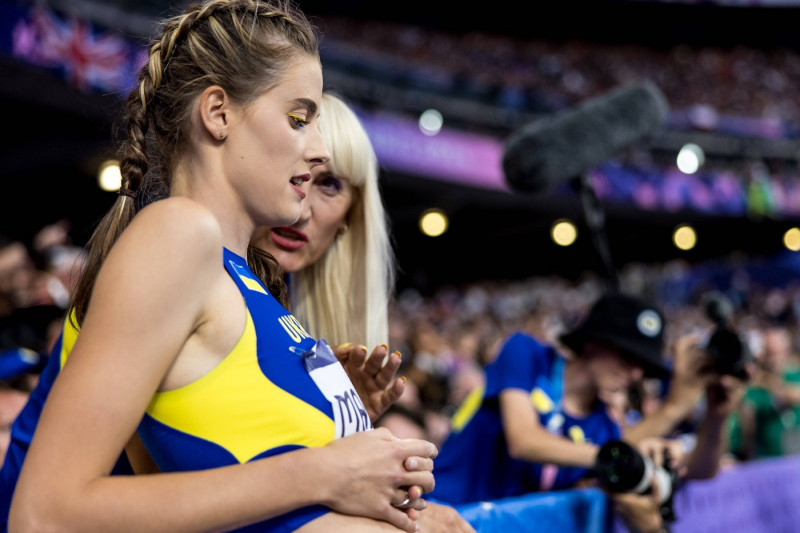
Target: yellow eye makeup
(298, 121)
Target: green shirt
(770, 425)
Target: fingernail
(416, 528)
(399, 354)
(345, 345)
(362, 346)
(385, 346)
(413, 464)
(403, 378)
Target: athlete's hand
(372, 472)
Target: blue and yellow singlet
(258, 402)
(263, 399)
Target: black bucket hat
(629, 323)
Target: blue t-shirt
(473, 463)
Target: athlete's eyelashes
(298, 121)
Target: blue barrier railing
(758, 497)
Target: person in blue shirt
(538, 421)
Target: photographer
(544, 412)
(698, 360)
(722, 394)
(710, 371)
(540, 419)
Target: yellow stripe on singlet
(68, 338)
(237, 407)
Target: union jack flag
(89, 59)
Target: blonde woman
(340, 268)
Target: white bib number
(349, 413)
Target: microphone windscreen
(546, 152)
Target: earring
(343, 230)
(221, 135)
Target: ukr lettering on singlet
(293, 328)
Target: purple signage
(460, 157)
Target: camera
(728, 353)
(619, 467)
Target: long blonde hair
(344, 296)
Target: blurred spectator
(26, 337)
(11, 403)
(705, 83)
(428, 367)
(742, 92)
(403, 422)
(18, 276)
(36, 282)
(766, 424)
(43, 274)
(59, 260)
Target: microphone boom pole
(594, 216)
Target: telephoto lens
(621, 468)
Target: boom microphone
(546, 152)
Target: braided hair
(244, 46)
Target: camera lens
(619, 467)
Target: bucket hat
(629, 323)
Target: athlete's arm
(150, 297)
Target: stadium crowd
(446, 338)
(544, 76)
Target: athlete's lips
(298, 181)
(288, 238)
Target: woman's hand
(373, 378)
(372, 473)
